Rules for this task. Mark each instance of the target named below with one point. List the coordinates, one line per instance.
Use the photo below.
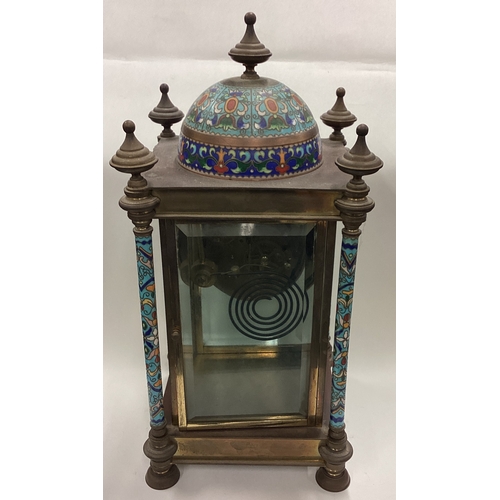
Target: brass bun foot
(332, 483)
(162, 481)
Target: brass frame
(186, 198)
(323, 271)
(267, 445)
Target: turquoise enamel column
(353, 207)
(145, 271)
(133, 158)
(345, 294)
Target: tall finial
(134, 158)
(166, 114)
(338, 117)
(355, 203)
(250, 51)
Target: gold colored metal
(256, 446)
(248, 351)
(196, 319)
(301, 197)
(178, 361)
(249, 142)
(325, 349)
(248, 451)
(246, 422)
(241, 204)
(195, 254)
(205, 444)
(319, 264)
(174, 337)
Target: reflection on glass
(246, 312)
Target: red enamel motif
(271, 105)
(297, 99)
(282, 167)
(231, 104)
(202, 99)
(221, 168)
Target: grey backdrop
(317, 46)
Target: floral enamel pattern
(249, 132)
(145, 272)
(247, 162)
(249, 112)
(342, 328)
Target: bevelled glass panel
(246, 300)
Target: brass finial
(359, 160)
(338, 117)
(250, 51)
(166, 114)
(355, 203)
(132, 157)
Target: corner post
(134, 158)
(353, 206)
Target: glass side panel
(246, 299)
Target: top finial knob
(128, 126)
(362, 130)
(250, 51)
(250, 18)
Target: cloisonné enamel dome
(249, 126)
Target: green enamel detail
(271, 111)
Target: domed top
(249, 126)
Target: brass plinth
(269, 445)
(259, 446)
(252, 450)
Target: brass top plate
(168, 174)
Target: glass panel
(246, 299)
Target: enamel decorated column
(353, 206)
(133, 158)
